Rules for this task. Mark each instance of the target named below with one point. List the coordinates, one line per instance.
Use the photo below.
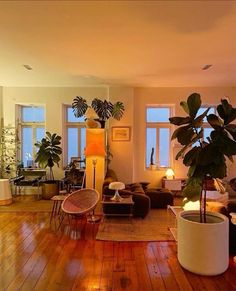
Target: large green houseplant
(104, 109)
(203, 235)
(48, 155)
(205, 158)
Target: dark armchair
(28, 178)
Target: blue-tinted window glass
(82, 142)
(71, 117)
(27, 146)
(207, 132)
(203, 109)
(72, 137)
(40, 133)
(151, 134)
(33, 114)
(160, 114)
(164, 144)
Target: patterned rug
(27, 203)
(154, 227)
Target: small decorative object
(117, 186)
(170, 174)
(120, 133)
(104, 109)
(91, 117)
(152, 164)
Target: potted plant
(202, 235)
(104, 109)
(47, 156)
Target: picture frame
(121, 133)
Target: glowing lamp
(117, 186)
(170, 174)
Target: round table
(5, 192)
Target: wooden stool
(56, 208)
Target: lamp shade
(94, 149)
(91, 114)
(170, 174)
(116, 186)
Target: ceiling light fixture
(206, 67)
(28, 67)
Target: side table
(117, 208)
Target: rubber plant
(205, 158)
(49, 152)
(104, 109)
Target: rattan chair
(79, 204)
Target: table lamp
(117, 186)
(170, 174)
(91, 117)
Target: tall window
(75, 135)
(158, 134)
(32, 129)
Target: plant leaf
(194, 103)
(184, 105)
(118, 110)
(179, 120)
(79, 106)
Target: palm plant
(104, 109)
(49, 152)
(205, 158)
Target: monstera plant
(104, 109)
(205, 158)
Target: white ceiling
(133, 43)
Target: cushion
(137, 188)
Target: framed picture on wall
(121, 133)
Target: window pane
(150, 143)
(206, 133)
(27, 146)
(82, 142)
(40, 133)
(164, 144)
(202, 109)
(33, 114)
(71, 117)
(72, 137)
(158, 114)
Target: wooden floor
(35, 257)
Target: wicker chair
(79, 204)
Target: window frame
(25, 124)
(158, 125)
(66, 125)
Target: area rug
(154, 227)
(27, 203)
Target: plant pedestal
(203, 248)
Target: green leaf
(184, 105)
(186, 136)
(179, 120)
(193, 189)
(118, 110)
(191, 156)
(214, 121)
(179, 131)
(197, 122)
(79, 106)
(194, 103)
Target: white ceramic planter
(203, 248)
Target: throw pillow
(137, 188)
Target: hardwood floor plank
(34, 257)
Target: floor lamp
(94, 151)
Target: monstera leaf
(118, 110)
(79, 106)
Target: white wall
(123, 155)
(144, 96)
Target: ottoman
(160, 198)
